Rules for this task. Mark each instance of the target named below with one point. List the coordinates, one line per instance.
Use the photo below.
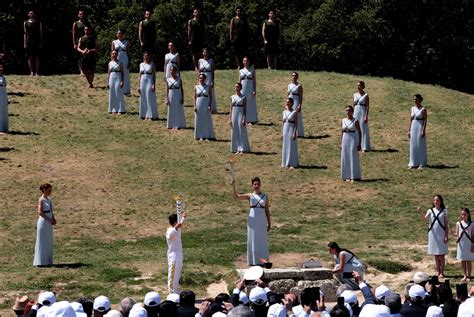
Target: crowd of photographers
(424, 296)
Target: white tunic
(173, 239)
(121, 48)
(171, 60)
(360, 109)
(294, 93)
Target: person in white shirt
(175, 252)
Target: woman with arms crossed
(258, 223)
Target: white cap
(46, 297)
(276, 310)
(138, 311)
(466, 309)
(219, 314)
(253, 273)
(173, 297)
(43, 311)
(382, 291)
(152, 299)
(258, 295)
(61, 309)
(417, 291)
(434, 311)
(113, 313)
(243, 298)
(78, 309)
(420, 277)
(372, 310)
(102, 304)
(349, 297)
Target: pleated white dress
(360, 108)
(294, 92)
(257, 237)
(3, 105)
(239, 137)
(203, 127)
(464, 241)
(205, 66)
(246, 76)
(176, 117)
(289, 152)
(418, 151)
(148, 108)
(350, 164)
(44, 236)
(436, 244)
(116, 98)
(171, 60)
(121, 48)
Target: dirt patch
(216, 288)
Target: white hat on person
(43, 311)
(420, 277)
(173, 297)
(349, 297)
(46, 298)
(258, 296)
(372, 310)
(417, 291)
(152, 299)
(138, 311)
(102, 304)
(113, 313)
(79, 309)
(434, 311)
(381, 292)
(61, 309)
(243, 298)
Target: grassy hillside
(115, 177)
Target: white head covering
(434, 311)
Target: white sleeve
(171, 233)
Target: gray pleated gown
(171, 60)
(239, 137)
(3, 105)
(418, 152)
(203, 127)
(116, 98)
(44, 236)
(176, 118)
(436, 245)
(464, 252)
(293, 92)
(247, 80)
(121, 48)
(360, 107)
(350, 164)
(205, 66)
(289, 152)
(257, 237)
(148, 107)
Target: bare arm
(237, 195)
(108, 75)
(409, 125)
(301, 98)
(121, 75)
(231, 29)
(25, 36)
(41, 212)
(164, 67)
(140, 33)
(360, 134)
(254, 76)
(41, 35)
(112, 47)
(342, 263)
(425, 117)
(267, 213)
(139, 80)
(263, 33)
(153, 70)
(195, 97)
(230, 112)
(189, 32)
(366, 118)
(295, 126)
(244, 118)
(213, 70)
(74, 44)
(446, 225)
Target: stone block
(282, 286)
(316, 274)
(328, 287)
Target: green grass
(115, 178)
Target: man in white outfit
(175, 252)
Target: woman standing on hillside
(207, 66)
(171, 59)
(360, 102)
(238, 122)
(350, 147)
(438, 231)
(258, 223)
(3, 103)
(147, 89)
(44, 228)
(289, 151)
(174, 99)
(203, 127)
(248, 79)
(121, 47)
(465, 242)
(115, 85)
(417, 134)
(295, 91)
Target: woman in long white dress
(147, 89)
(258, 223)
(115, 85)
(174, 99)
(203, 127)
(208, 67)
(171, 59)
(289, 152)
(44, 228)
(248, 79)
(360, 102)
(465, 243)
(3, 103)
(238, 122)
(350, 147)
(438, 232)
(121, 47)
(417, 134)
(295, 91)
